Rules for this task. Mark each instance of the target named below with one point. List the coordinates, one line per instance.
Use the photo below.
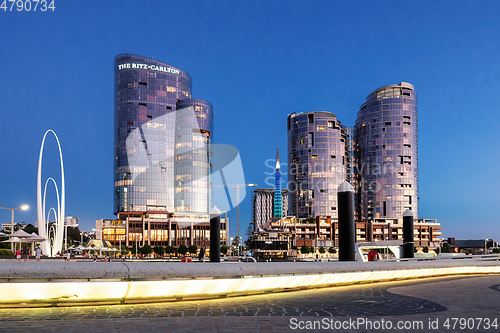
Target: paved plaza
(415, 300)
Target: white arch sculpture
(61, 204)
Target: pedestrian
(26, 254)
(68, 256)
(18, 255)
(38, 253)
(201, 256)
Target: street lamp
(231, 246)
(23, 207)
(100, 243)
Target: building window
(310, 139)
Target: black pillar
(369, 231)
(408, 235)
(215, 235)
(347, 235)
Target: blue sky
(256, 62)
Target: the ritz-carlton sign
(150, 67)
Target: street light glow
(25, 207)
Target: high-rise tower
(278, 199)
(162, 139)
(318, 162)
(386, 152)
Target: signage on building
(150, 67)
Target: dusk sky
(256, 62)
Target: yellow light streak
(139, 291)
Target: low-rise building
(470, 246)
(159, 228)
(322, 232)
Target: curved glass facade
(148, 94)
(386, 152)
(193, 136)
(318, 163)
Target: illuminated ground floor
(160, 228)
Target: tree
(192, 249)
(30, 229)
(304, 249)
(182, 250)
(146, 249)
(425, 249)
(135, 250)
(159, 250)
(332, 250)
(496, 250)
(169, 250)
(124, 249)
(223, 249)
(322, 250)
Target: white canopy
(36, 238)
(21, 234)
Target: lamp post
(23, 207)
(100, 243)
(231, 246)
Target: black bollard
(215, 235)
(369, 231)
(347, 235)
(408, 237)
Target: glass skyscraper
(318, 162)
(162, 139)
(386, 153)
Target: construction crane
(237, 187)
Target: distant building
(323, 232)
(71, 221)
(386, 153)
(318, 162)
(7, 227)
(470, 246)
(278, 198)
(263, 206)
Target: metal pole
(347, 235)
(65, 236)
(238, 211)
(12, 229)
